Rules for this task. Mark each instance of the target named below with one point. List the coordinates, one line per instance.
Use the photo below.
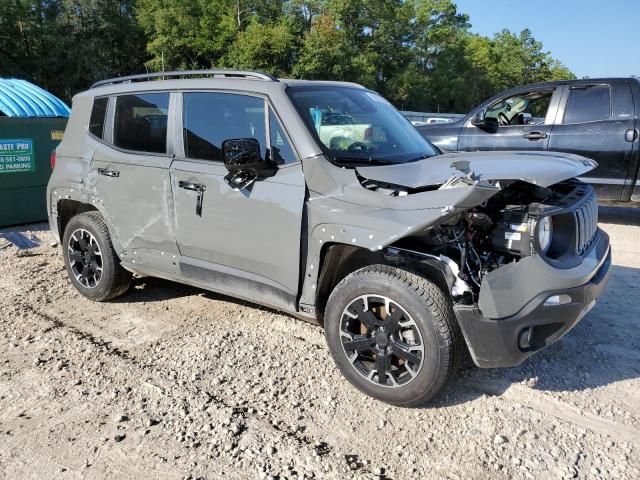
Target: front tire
(91, 262)
(393, 334)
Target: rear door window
(211, 118)
(98, 115)
(141, 122)
(588, 104)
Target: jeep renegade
(321, 200)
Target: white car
(431, 120)
(339, 128)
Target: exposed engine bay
(503, 229)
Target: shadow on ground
(152, 289)
(30, 227)
(619, 215)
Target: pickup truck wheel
(393, 334)
(92, 263)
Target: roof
(555, 83)
(318, 83)
(19, 98)
(258, 81)
(239, 84)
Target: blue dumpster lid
(19, 98)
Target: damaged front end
(519, 221)
(517, 246)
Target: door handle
(108, 173)
(535, 135)
(631, 135)
(195, 187)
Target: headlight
(544, 230)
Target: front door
(520, 121)
(245, 243)
(130, 169)
(596, 120)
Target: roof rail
(187, 73)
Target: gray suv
(321, 200)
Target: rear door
(596, 120)
(245, 243)
(523, 121)
(130, 171)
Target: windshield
(356, 126)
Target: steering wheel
(358, 147)
(504, 120)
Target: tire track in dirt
(561, 410)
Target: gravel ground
(174, 382)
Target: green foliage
(418, 53)
(519, 59)
(267, 47)
(65, 45)
(187, 34)
(325, 53)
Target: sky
(593, 38)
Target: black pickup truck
(595, 118)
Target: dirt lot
(174, 382)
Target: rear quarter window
(140, 122)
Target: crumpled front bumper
(509, 340)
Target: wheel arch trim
(86, 201)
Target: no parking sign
(17, 156)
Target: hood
(539, 168)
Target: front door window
(212, 118)
(528, 108)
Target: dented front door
(245, 242)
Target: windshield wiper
(360, 161)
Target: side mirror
(244, 162)
(481, 121)
(478, 119)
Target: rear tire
(91, 262)
(381, 318)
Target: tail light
(53, 159)
(368, 133)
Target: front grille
(586, 223)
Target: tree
(418, 53)
(325, 52)
(474, 68)
(269, 47)
(65, 45)
(99, 39)
(519, 59)
(188, 34)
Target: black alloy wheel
(85, 258)
(393, 334)
(92, 263)
(381, 340)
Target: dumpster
(32, 122)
